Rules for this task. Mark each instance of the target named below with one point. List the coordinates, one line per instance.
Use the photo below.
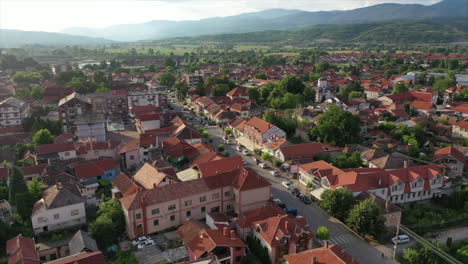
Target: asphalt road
(362, 251)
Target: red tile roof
(421, 105)
(34, 169)
(237, 92)
(462, 124)
(64, 138)
(302, 151)
(270, 210)
(82, 258)
(22, 250)
(94, 168)
(321, 168)
(449, 151)
(125, 185)
(259, 124)
(149, 116)
(55, 148)
(176, 147)
(274, 228)
(215, 167)
(332, 254)
(130, 146)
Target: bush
(221, 147)
(258, 151)
(277, 162)
(266, 156)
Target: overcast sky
(55, 15)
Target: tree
(365, 219)
(167, 79)
(322, 233)
(337, 202)
(181, 90)
(442, 84)
(309, 94)
(37, 92)
(292, 84)
(228, 131)
(254, 94)
(42, 137)
(399, 88)
(125, 257)
(462, 254)
(17, 184)
(200, 89)
(28, 77)
(24, 205)
(266, 156)
(355, 94)
(220, 89)
(261, 75)
(205, 134)
(420, 255)
(337, 127)
(346, 160)
(109, 224)
(152, 68)
(35, 189)
(353, 86)
(22, 93)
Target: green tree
(337, 202)
(261, 75)
(17, 184)
(254, 94)
(35, 189)
(109, 224)
(24, 205)
(37, 92)
(200, 89)
(292, 85)
(309, 94)
(420, 255)
(181, 90)
(353, 86)
(355, 94)
(337, 127)
(462, 254)
(23, 93)
(228, 131)
(365, 219)
(220, 89)
(28, 77)
(399, 88)
(266, 156)
(322, 233)
(124, 257)
(442, 84)
(152, 68)
(346, 160)
(42, 137)
(167, 79)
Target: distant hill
(15, 38)
(273, 19)
(441, 30)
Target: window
(215, 195)
(67, 154)
(188, 213)
(172, 218)
(396, 198)
(138, 216)
(156, 222)
(414, 194)
(229, 207)
(202, 199)
(74, 212)
(187, 203)
(171, 207)
(155, 211)
(227, 194)
(203, 209)
(56, 216)
(402, 196)
(132, 157)
(238, 258)
(215, 209)
(419, 194)
(41, 219)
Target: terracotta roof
(55, 148)
(22, 250)
(189, 230)
(237, 92)
(209, 239)
(63, 138)
(149, 117)
(176, 147)
(206, 157)
(421, 105)
(274, 228)
(215, 167)
(130, 146)
(148, 176)
(270, 210)
(261, 125)
(241, 179)
(332, 254)
(275, 144)
(449, 151)
(34, 169)
(462, 124)
(306, 150)
(384, 206)
(321, 168)
(82, 258)
(94, 168)
(125, 185)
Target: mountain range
(272, 19)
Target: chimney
(325, 245)
(405, 164)
(286, 225)
(380, 182)
(314, 259)
(59, 185)
(233, 234)
(225, 231)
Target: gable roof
(55, 148)
(177, 147)
(125, 185)
(274, 228)
(449, 151)
(82, 258)
(94, 168)
(237, 92)
(148, 176)
(266, 211)
(22, 250)
(421, 105)
(259, 124)
(305, 150)
(81, 241)
(321, 167)
(59, 195)
(215, 167)
(332, 254)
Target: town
(223, 155)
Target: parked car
(147, 243)
(238, 148)
(262, 165)
(140, 240)
(401, 239)
(256, 160)
(291, 211)
(304, 198)
(286, 184)
(274, 173)
(279, 203)
(295, 191)
(246, 152)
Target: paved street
(354, 245)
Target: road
(362, 251)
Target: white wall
(65, 218)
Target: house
(153, 210)
(123, 186)
(13, 111)
(21, 250)
(282, 235)
(237, 93)
(373, 92)
(202, 241)
(453, 158)
(306, 151)
(178, 149)
(243, 223)
(329, 254)
(150, 177)
(422, 107)
(147, 97)
(313, 172)
(53, 94)
(4, 175)
(33, 171)
(62, 138)
(82, 242)
(237, 127)
(147, 121)
(91, 127)
(71, 108)
(92, 150)
(257, 131)
(61, 206)
(97, 170)
(51, 152)
(81, 258)
(460, 129)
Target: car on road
(401, 239)
(274, 173)
(295, 191)
(291, 211)
(246, 152)
(256, 160)
(279, 203)
(145, 244)
(304, 198)
(262, 165)
(140, 240)
(238, 148)
(286, 184)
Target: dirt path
(457, 234)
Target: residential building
(61, 206)
(53, 152)
(257, 131)
(82, 258)
(148, 97)
(21, 250)
(13, 111)
(423, 108)
(305, 151)
(97, 170)
(192, 79)
(153, 210)
(150, 177)
(313, 172)
(329, 254)
(237, 93)
(91, 127)
(147, 121)
(460, 129)
(453, 158)
(71, 108)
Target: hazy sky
(55, 15)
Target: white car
(274, 173)
(147, 243)
(238, 148)
(401, 239)
(140, 240)
(262, 165)
(246, 152)
(286, 184)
